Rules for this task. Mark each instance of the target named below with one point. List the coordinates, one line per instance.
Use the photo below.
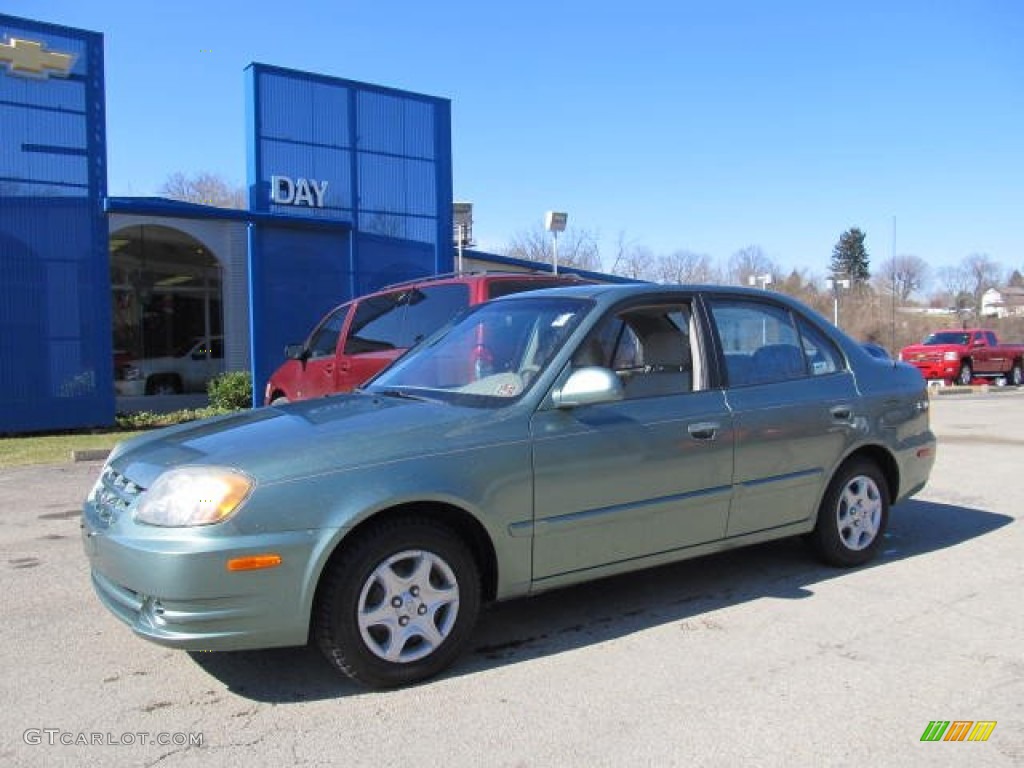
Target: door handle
(705, 430)
(841, 412)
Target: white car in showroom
(189, 371)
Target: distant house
(1005, 301)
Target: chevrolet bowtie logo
(29, 59)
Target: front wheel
(1016, 375)
(853, 515)
(398, 604)
(163, 385)
(966, 375)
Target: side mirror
(295, 352)
(588, 386)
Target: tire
(163, 385)
(376, 587)
(853, 515)
(1016, 377)
(966, 375)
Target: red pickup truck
(960, 356)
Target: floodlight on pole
(462, 216)
(554, 222)
(836, 284)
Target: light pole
(836, 284)
(554, 222)
(462, 214)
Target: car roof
(475, 277)
(616, 291)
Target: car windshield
(489, 356)
(947, 337)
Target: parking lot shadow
(566, 619)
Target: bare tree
(576, 248)
(955, 282)
(634, 261)
(685, 267)
(204, 188)
(750, 262)
(903, 275)
(982, 273)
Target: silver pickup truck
(190, 371)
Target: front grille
(114, 494)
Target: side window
(498, 288)
(427, 309)
(822, 355)
(990, 338)
(760, 343)
(649, 348)
(377, 325)
(324, 340)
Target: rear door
(794, 405)
(988, 356)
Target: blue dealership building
(349, 189)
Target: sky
(676, 125)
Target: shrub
(148, 420)
(231, 391)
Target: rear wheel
(1016, 375)
(398, 604)
(853, 515)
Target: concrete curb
(90, 454)
(973, 388)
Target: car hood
(342, 432)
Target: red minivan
(362, 337)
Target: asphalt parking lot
(757, 657)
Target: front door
(316, 375)
(645, 475)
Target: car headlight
(951, 356)
(193, 496)
(131, 373)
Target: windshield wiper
(392, 393)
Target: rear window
(498, 288)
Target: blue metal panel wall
(386, 157)
(56, 363)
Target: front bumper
(172, 586)
(130, 388)
(939, 370)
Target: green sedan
(538, 441)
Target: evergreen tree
(850, 257)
